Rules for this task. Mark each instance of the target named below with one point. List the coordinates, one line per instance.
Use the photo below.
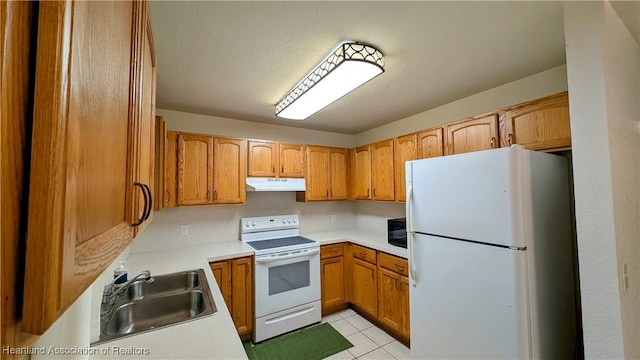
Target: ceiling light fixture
(347, 67)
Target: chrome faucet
(109, 295)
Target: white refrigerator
(490, 256)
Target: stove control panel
(266, 223)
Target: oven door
(286, 279)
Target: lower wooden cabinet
(393, 293)
(235, 280)
(364, 281)
(332, 277)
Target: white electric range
(287, 275)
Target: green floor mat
(312, 343)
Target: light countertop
(212, 337)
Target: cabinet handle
(331, 193)
(367, 192)
(396, 282)
(273, 168)
(363, 255)
(149, 203)
(168, 198)
(215, 194)
(333, 251)
(374, 192)
(327, 192)
(509, 139)
(282, 168)
(398, 267)
(146, 201)
(209, 195)
(493, 142)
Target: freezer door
(475, 196)
(469, 300)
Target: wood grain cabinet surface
(364, 280)
(332, 277)
(326, 174)
(274, 159)
(472, 135)
(235, 280)
(404, 150)
(430, 143)
(86, 119)
(382, 175)
(360, 159)
(542, 124)
(393, 293)
(211, 170)
(166, 166)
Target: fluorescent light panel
(350, 65)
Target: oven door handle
(301, 254)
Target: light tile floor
(369, 341)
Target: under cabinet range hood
(275, 184)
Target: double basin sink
(171, 299)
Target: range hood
(275, 184)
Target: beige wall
(533, 87)
(189, 122)
(603, 63)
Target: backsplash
(373, 215)
(212, 224)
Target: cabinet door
(229, 171)
(338, 174)
(382, 170)
(332, 280)
(472, 135)
(291, 160)
(262, 159)
(361, 173)
(195, 169)
(540, 125)
(317, 180)
(222, 272)
(169, 197)
(145, 129)
(80, 203)
(430, 143)
(390, 299)
(242, 294)
(404, 308)
(364, 292)
(404, 150)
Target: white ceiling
(237, 59)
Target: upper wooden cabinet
(91, 93)
(144, 122)
(291, 158)
(326, 174)
(195, 169)
(430, 143)
(361, 172)
(472, 135)
(538, 125)
(404, 150)
(382, 174)
(271, 159)
(229, 170)
(166, 166)
(211, 170)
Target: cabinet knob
(509, 139)
(493, 142)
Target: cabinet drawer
(363, 253)
(393, 263)
(329, 251)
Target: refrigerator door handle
(412, 269)
(408, 209)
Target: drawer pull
(363, 255)
(333, 251)
(399, 268)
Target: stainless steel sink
(164, 284)
(171, 299)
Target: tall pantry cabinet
(86, 144)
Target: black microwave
(397, 232)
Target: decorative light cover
(347, 67)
